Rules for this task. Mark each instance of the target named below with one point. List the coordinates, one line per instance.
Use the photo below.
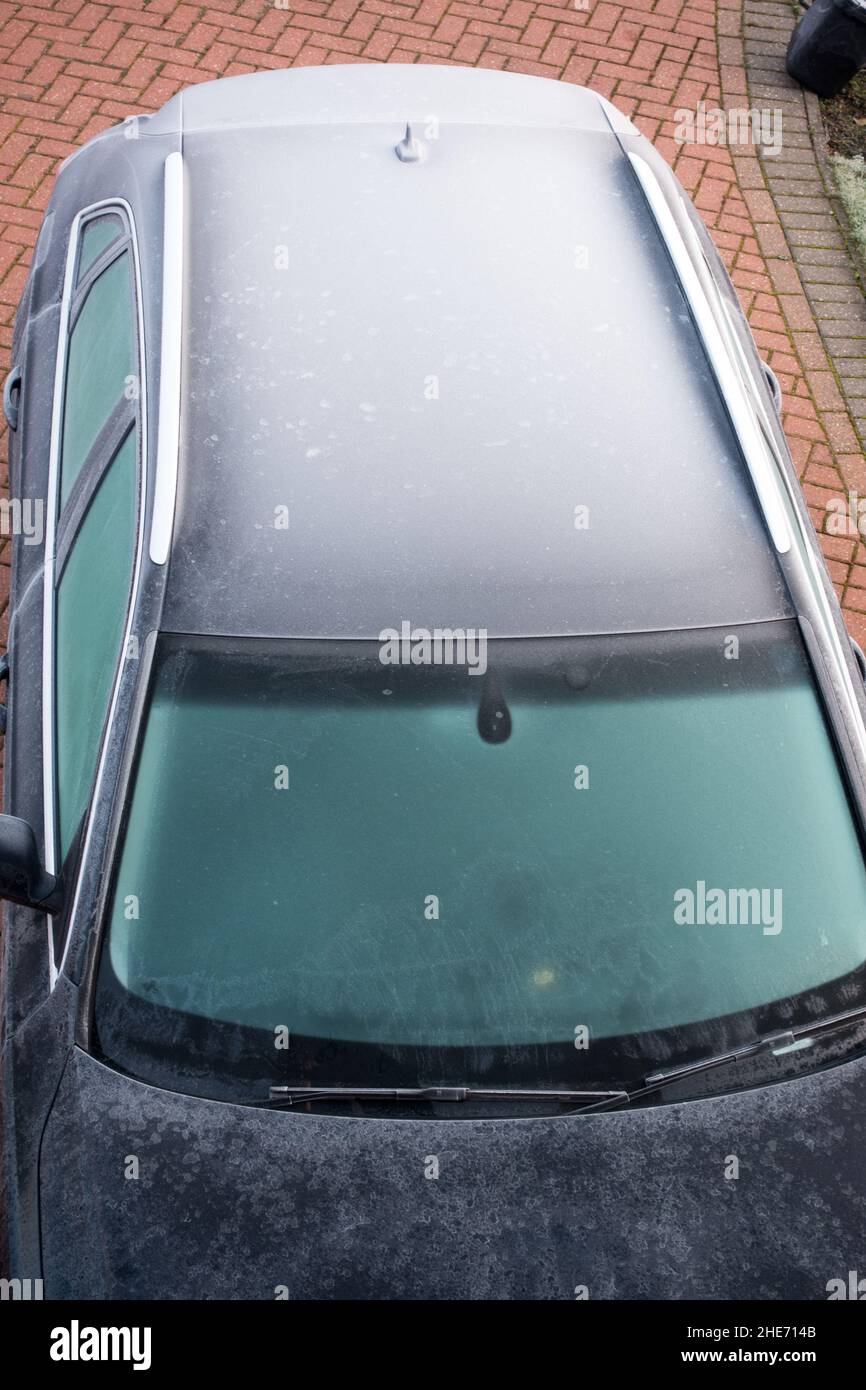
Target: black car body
(355, 389)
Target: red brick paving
(71, 68)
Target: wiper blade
(588, 1100)
(298, 1095)
(767, 1042)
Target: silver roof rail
(752, 441)
(168, 428)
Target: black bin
(828, 46)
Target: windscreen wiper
(767, 1042)
(298, 1095)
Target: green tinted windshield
(657, 835)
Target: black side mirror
(22, 878)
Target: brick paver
(72, 67)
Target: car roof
(460, 391)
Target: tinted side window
(100, 361)
(97, 509)
(90, 615)
(97, 236)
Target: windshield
(592, 857)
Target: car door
(93, 518)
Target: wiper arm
(587, 1100)
(298, 1095)
(767, 1042)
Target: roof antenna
(410, 149)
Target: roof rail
(752, 443)
(168, 428)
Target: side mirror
(22, 878)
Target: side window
(98, 366)
(96, 236)
(97, 509)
